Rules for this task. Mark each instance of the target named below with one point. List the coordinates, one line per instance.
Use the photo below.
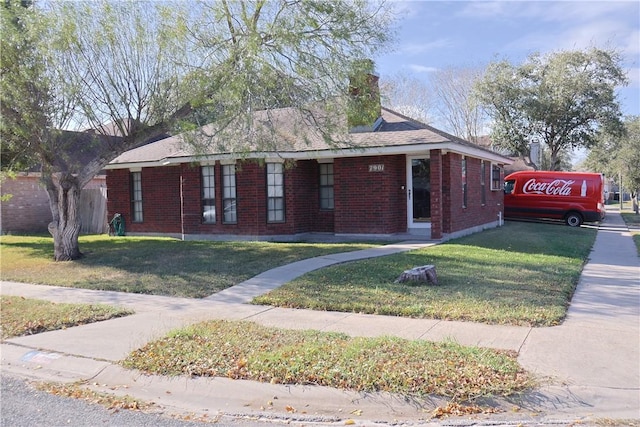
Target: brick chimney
(364, 113)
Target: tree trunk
(64, 197)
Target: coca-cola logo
(557, 187)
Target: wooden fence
(93, 211)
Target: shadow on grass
(160, 266)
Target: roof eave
(411, 150)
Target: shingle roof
(287, 133)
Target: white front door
(418, 192)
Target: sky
(439, 34)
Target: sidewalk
(593, 358)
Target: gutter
(410, 150)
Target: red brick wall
(455, 216)
(162, 211)
(191, 209)
(118, 195)
(437, 198)
(161, 198)
(305, 200)
(370, 202)
(366, 202)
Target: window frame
(208, 188)
(483, 182)
(496, 182)
(137, 207)
(463, 173)
(326, 193)
(275, 193)
(229, 194)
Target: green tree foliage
(563, 100)
(133, 70)
(364, 101)
(630, 154)
(264, 55)
(619, 155)
(24, 98)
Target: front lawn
(519, 274)
(146, 265)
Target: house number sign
(376, 168)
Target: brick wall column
(435, 160)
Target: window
(464, 182)
(326, 186)
(275, 192)
(136, 196)
(483, 179)
(496, 171)
(208, 195)
(230, 213)
(508, 186)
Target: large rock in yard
(425, 273)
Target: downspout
(182, 206)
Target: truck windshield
(508, 186)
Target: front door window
(421, 190)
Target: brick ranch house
(397, 176)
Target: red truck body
(574, 197)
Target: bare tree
(408, 95)
(455, 102)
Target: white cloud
(600, 34)
(485, 9)
(576, 11)
(422, 47)
(549, 11)
(421, 68)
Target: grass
(633, 222)
(519, 274)
(23, 316)
(158, 266)
(523, 273)
(245, 350)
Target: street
(24, 406)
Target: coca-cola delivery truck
(574, 197)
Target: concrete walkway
(590, 364)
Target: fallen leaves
(110, 401)
(454, 408)
(245, 350)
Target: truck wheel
(573, 219)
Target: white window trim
(500, 183)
